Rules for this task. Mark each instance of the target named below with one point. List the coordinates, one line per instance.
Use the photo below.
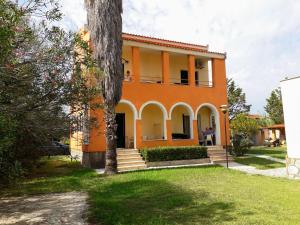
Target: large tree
(105, 26)
(274, 106)
(236, 100)
(36, 86)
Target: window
(184, 77)
(196, 78)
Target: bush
(240, 145)
(173, 153)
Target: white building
(290, 89)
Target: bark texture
(105, 26)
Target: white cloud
(261, 37)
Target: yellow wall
(76, 141)
(203, 73)
(176, 119)
(177, 63)
(129, 124)
(205, 118)
(152, 122)
(151, 64)
(127, 54)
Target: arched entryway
(181, 116)
(126, 115)
(153, 117)
(208, 125)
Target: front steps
(217, 154)
(129, 159)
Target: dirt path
(63, 208)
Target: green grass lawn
(200, 195)
(276, 152)
(259, 163)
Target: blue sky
(261, 37)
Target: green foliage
(173, 153)
(274, 107)
(240, 145)
(236, 100)
(41, 77)
(242, 128)
(243, 125)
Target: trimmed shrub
(173, 153)
(240, 145)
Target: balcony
(150, 66)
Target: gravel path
(278, 172)
(56, 209)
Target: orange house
(172, 93)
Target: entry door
(120, 120)
(186, 125)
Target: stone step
(132, 163)
(131, 168)
(127, 151)
(216, 152)
(129, 158)
(128, 155)
(213, 159)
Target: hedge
(173, 153)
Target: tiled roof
(167, 43)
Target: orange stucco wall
(167, 94)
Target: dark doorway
(196, 78)
(120, 120)
(184, 77)
(186, 125)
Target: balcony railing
(207, 83)
(179, 81)
(151, 79)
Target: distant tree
(242, 128)
(274, 106)
(105, 25)
(243, 125)
(41, 77)
(236, 100)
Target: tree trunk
(105, 25)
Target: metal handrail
(179, 81)
(206, 83)
(151, 79)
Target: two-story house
(172, 93)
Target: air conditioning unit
(198, 64)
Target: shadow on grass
(148, 201)
(52, 182)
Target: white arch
(135, 116)
(189, 108)
(164, 111)
(217, 117)
(191, 112)
(131, 105)
(161, 106)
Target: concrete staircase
(129, 159)
(217, 154)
